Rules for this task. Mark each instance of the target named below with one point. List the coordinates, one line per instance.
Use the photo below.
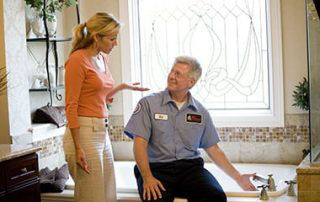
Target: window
(237, 42)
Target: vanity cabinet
(2, 184)
(19, 179)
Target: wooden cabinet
(20, 179)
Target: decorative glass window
(233, 41)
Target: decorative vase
(29, 17)
(38, 26)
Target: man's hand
(151, 188)
(245, 183)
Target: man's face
(178, 78)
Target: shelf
(46, 89)
(52, 39)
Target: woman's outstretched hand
(134, 86)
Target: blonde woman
(89, 87)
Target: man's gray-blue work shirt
(172, 134)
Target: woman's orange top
(86, 87)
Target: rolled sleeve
(210, 134)
(139, 123)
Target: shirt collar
(190, 103)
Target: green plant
(301, 95)
(3, 80)
(51, 6)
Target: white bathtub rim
(282, 187)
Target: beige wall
(294, 45)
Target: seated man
(168, 129)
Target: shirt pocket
(160, 131)
(191, 136)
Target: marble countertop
(308, 169)
(9, 151)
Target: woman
(89, 87)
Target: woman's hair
(102, 24)
(195, 68)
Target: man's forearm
(141, 156)
(218, 156)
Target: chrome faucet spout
(260, 178)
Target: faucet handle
(263, 186)
(289, 182)
(263, 193)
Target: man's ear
(191, 83)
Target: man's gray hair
(195, 68)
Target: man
(168, 129)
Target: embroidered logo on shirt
(161, 117)
(137, 109)
(194, 118)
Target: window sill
(45, 131)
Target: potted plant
(301, 95)
(52, 6)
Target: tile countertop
(9, 151)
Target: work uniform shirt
(172, 134)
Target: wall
(294, 49)
(18, 118)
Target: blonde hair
(102, 24)
(195, 68)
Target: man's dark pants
(184, 179)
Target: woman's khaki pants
(99, 185)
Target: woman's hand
(81, 160)
(134, 86)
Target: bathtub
(127, 187)
(126, 182)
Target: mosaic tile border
(296, 130)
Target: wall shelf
(60, 87)
(51, 39)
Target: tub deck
(126, 182)
(127, 188)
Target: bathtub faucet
(263, 194)
(291, 187)
(266, 180)
(272, 186)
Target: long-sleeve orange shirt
(86, 87)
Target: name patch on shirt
(194, 118)
(161, 117)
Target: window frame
(274, 117)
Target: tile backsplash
(295, 131)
